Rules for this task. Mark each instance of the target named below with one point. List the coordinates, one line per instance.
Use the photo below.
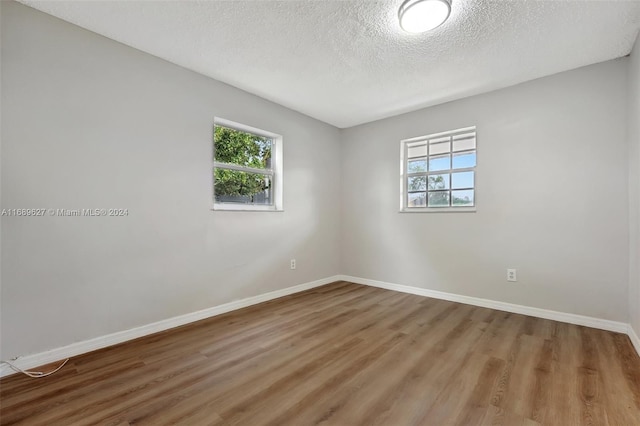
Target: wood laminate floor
(345, 354)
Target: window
(439, 172)
(247, 168)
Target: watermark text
(64, 212)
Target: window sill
(244, 208)
(439, 210)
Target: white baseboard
(34, 360)
(78, 348)
(603, 324)
(634, 339)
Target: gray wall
(90, 123)
(634, 186)
(552, 182)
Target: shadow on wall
(260, 244)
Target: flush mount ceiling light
(418, 16)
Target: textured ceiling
(348, 62)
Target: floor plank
(344, 354)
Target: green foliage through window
(439, 170)
(250, 152)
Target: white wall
(90, 123)
(551, 194)
(634, 186)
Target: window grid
(431, 163)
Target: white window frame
(276, 171)
(404, 145)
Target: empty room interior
(354, 212)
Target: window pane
(418, 199)
(463, 198)
(442, 139)
(439, 199)
(439, 148)
(438, 182)
(462, 180)
(461, 161)
(417, 183)
(464, 144)
(417, 166)
(232, 186)
(417, 151)
(242, 148)
(441, 162)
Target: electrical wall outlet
(293, 264)
(511, 275)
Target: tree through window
(245, 171)
(438, 171)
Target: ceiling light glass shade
(418, 16)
